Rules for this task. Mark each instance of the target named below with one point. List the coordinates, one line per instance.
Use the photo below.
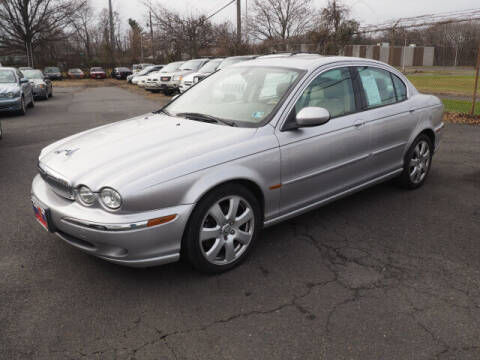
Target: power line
(217, 11)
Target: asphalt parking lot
(383, 274)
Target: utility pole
(112, 37)
(476, 83)
(239, 23)
(151, 33)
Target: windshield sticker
(258, 115)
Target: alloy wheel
(227, 230)
(420, 162)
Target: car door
(391, 115)
(318, 162)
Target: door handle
(411, 111)
(359, 123)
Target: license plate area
(42, 214)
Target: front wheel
(32, 103)
(417, 163)
(23, 108)
(222, 229)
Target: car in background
(42, 86)
(202, 73)
(121, 73)
(250, 146)
(173, 83)
(53, 73)
(139, 67)
(149, 69)
(153, 82)
(25, 68)
(97, 73)
(142, 80)
(16, 92)
(75, 74)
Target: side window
(332, 90)
(378, 87)
(400, 88)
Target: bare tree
(82, 22)
(27, 23)
(281, 19)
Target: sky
(365, 11)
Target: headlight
(111, 198)
(86, 195)
(13, 94)
(178, 78)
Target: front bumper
(142, 247)
(170, 85)
(14, 104)
(37, 92)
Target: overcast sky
(366, 11)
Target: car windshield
(245, 95)
(7, 76)
(123, 69)
(172, 67)
(32, 74)
(96, 69)
(75, 71)
(145, 71)
(231, 61)
(210, 67)
(192, 65)
(52, 69)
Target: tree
(26, 24)
(335, 29)
(134, 35)
(82, 22)
(281, 19)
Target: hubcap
(227, 230)
(420, 162)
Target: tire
(23, 109)
(46, 96)
(417, 163)
(226, 240)
(1, 131)
(51, 92)
(32, 103)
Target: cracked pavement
(383, 274)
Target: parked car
(25, 68)
(16, 93)
(208, 69)
(139, 67)
(249, 146)
(97, 73)
(75, 74)
(41, 85)
(121, 73)
(142, 80)
(53, 73)
(149, 69)
(173, 84)
(157, 81)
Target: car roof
(302, 61)
(9, 68)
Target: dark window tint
(332, 90)
(378, 87)
(400, 88)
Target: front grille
(60, 186)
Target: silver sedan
(250, 146)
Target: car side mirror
(24, 81)
(312, 116)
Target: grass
(460, 106)
(444, 84)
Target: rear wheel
(222, 229)
(417, 163)
(23, 107)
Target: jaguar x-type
(250, 146)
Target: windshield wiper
(162, 110)
(205, 118)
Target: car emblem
(66, 151)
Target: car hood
(6, 88)
(153, 147)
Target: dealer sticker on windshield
(258, 115)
